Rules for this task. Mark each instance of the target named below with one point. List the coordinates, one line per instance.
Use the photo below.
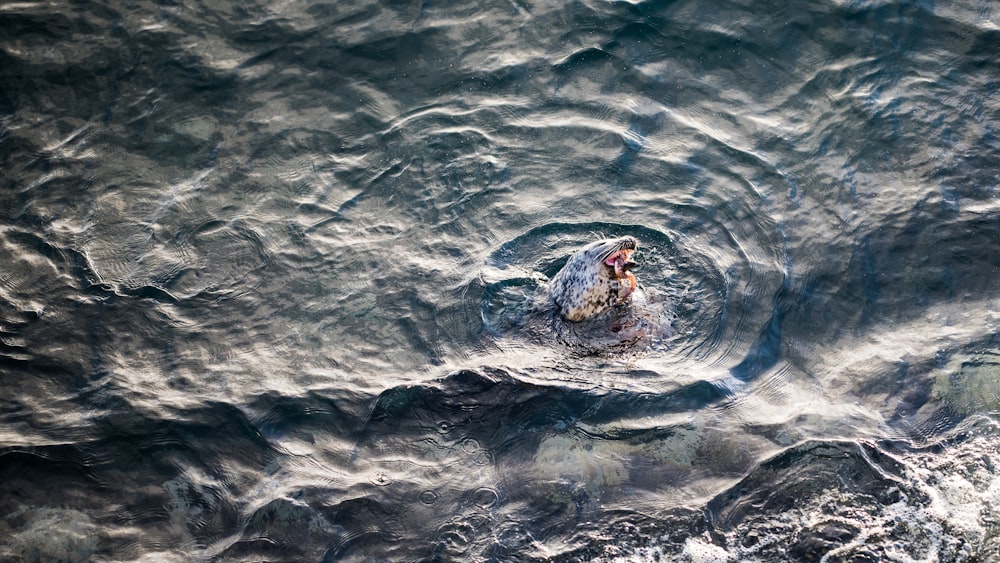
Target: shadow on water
(495, 395)
(505, 464)
(172, 479)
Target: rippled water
(269, 276)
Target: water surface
(266, 275)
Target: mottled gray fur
(586, 286)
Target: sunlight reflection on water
(273, 281)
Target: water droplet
(428, 497)
(456, 537)
(485, 497)
(478, 521)
(512, 535)
(482, 457)
(471, 446)
(443, 427)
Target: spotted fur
(587, 286)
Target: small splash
(642, 324)
(700, 550)
(455, 538)
(516, 303)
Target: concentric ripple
(705, 292)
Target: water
(267, 274)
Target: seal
(595, 278)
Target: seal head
(595, 278)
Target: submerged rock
(55, 534)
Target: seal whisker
(607, 254)
(626, 243)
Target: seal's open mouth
(621, 261)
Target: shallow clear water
(268, 275)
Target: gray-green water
(267, 274)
